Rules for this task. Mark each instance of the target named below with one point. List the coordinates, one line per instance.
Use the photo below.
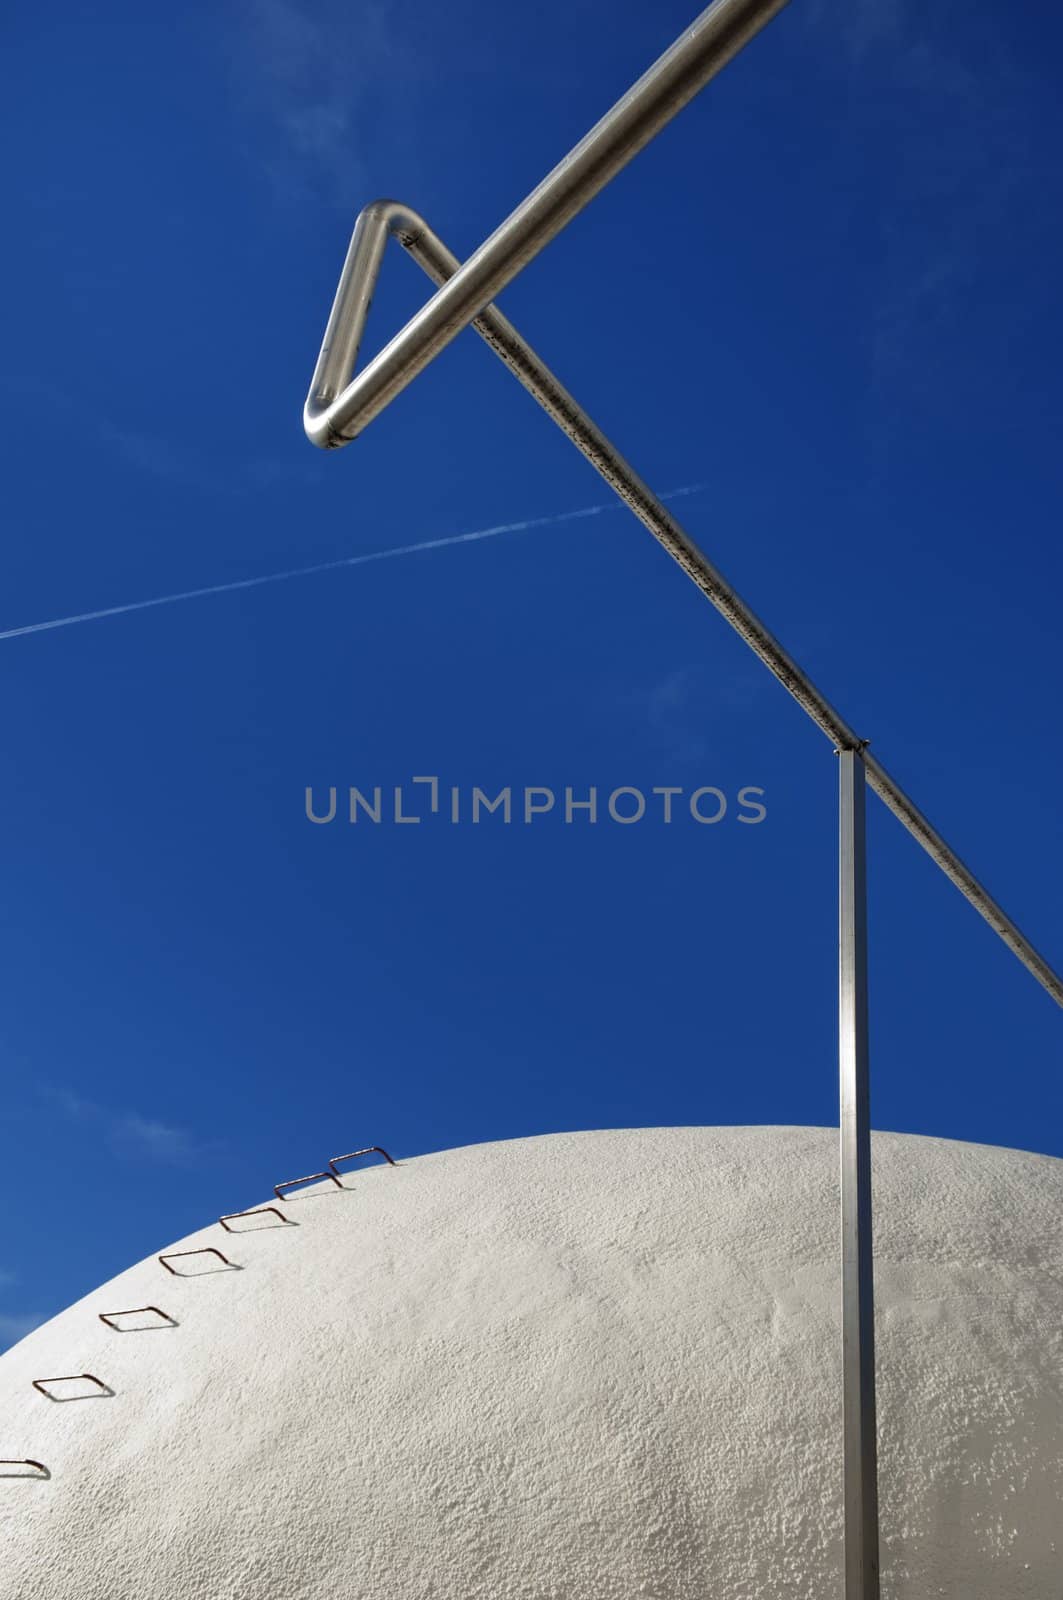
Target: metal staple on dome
(22, 1461)
(134, 1311)
(310, 1178)
(368, 1151)
(72, 1377)
(256, 1211)
(206, 1250)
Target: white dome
(593, 1366)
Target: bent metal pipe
(337, 409)
(384, 218)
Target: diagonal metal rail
(337, 409)
(340, 405)
(384, 218)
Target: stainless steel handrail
(337, 410)
(388, 217)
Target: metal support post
(860, 1453)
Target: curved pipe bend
(333, 416)
(346, 324)
(339, 407)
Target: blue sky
(828, 294)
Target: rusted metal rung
(135, 1311)
(373, 1149)
(311, 1178)
(207, 1250)
(22, 1461)
(256, 1211)
(72, 1377)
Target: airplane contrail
(334, 566)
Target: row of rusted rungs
(107, 1317)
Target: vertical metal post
(860, 1455)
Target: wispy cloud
(147, 1136)
(666, 705)
(946, 98)
(324, 78)
(128, 1132)
(15, 1325)
(160, 456)
(679, 708)
(392, 554)
(861, 25)
(150, 453)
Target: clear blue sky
(828, 292)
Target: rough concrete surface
(590, 1366)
